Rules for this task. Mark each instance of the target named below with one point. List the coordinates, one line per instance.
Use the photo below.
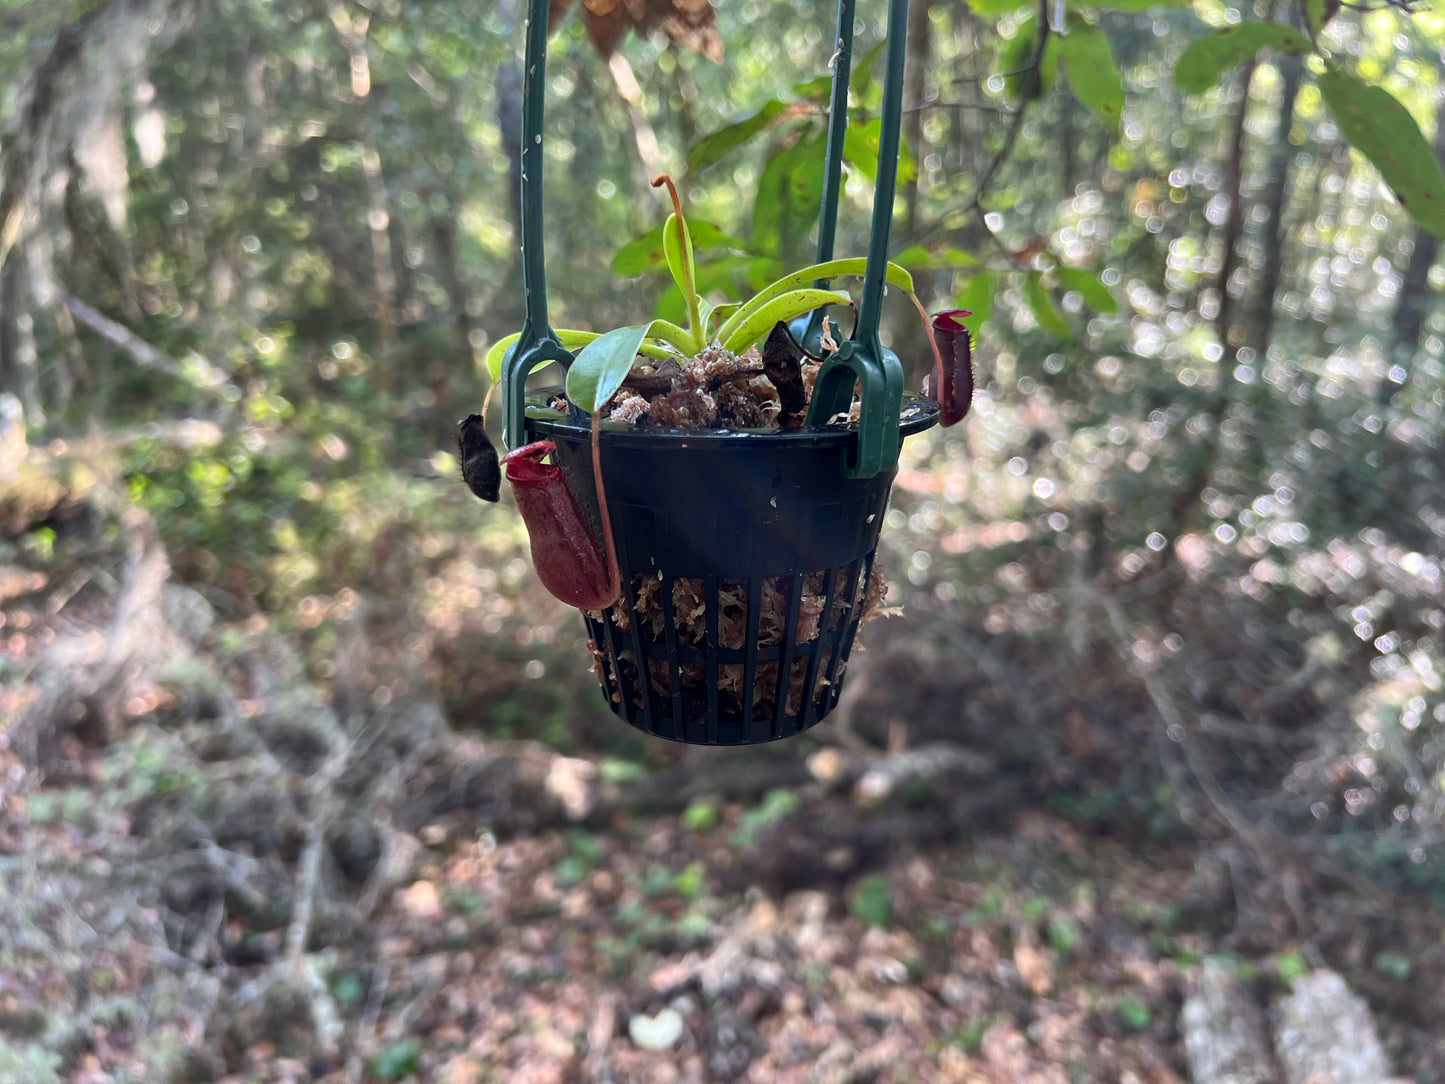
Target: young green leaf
(757, 320)
(1042, 305)
(1089, 64)
(821, 272)
(1096, 295)
(1204, 63)
(644, 253)
(567, 339)
(602, 365)
(1381, 129)
(678, 251)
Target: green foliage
(721, 143)
(1133, 1013)
(397, 1060)
(1381, 129)
(1089, 64)
(1290, 966)
(691, 882)
(1393, 965)
(603, 364)
(1016, 57)
(1048, 316)
(347, 990)
(700, 816)
(871, 901)
(1063, 935)
(969, 1037)
(1204, 63)
(776, 805)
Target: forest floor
(220, 863)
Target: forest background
(303, 776)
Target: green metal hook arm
(888, 140)
(842, 64)
(534, 94)
(837, 130)
(537, 345)
(862, 359)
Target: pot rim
(545, 421)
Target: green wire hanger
(861, 360)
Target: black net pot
(746, 559)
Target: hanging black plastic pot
(744, 558)
(746, 566)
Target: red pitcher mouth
(567, 558)
(525, 467)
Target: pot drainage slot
(720, 661)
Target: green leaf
(853, 267)
(645, 253)
(677, 248)
(992, 9)
(602, 365)
(977, 298)
(1089, 64)
(789, 192)
(1096, 295)
(1318, 13)
(718, 145)
(671, 305)
(934, 258)
(1140, 5)
(396, 1061)
(757, 321)
(567, 339)
(1037, 295)
(860, 150)
(818, 90)
(1204, 63)
(1018, 52)
(1381, 129)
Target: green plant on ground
(871, 902)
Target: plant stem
(614, 575)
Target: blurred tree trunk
(1414, 289)
(444, 236)
(352, 31)
(1233, 225)
(1260, 321)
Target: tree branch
(1033, 80)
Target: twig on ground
(366, 1026)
